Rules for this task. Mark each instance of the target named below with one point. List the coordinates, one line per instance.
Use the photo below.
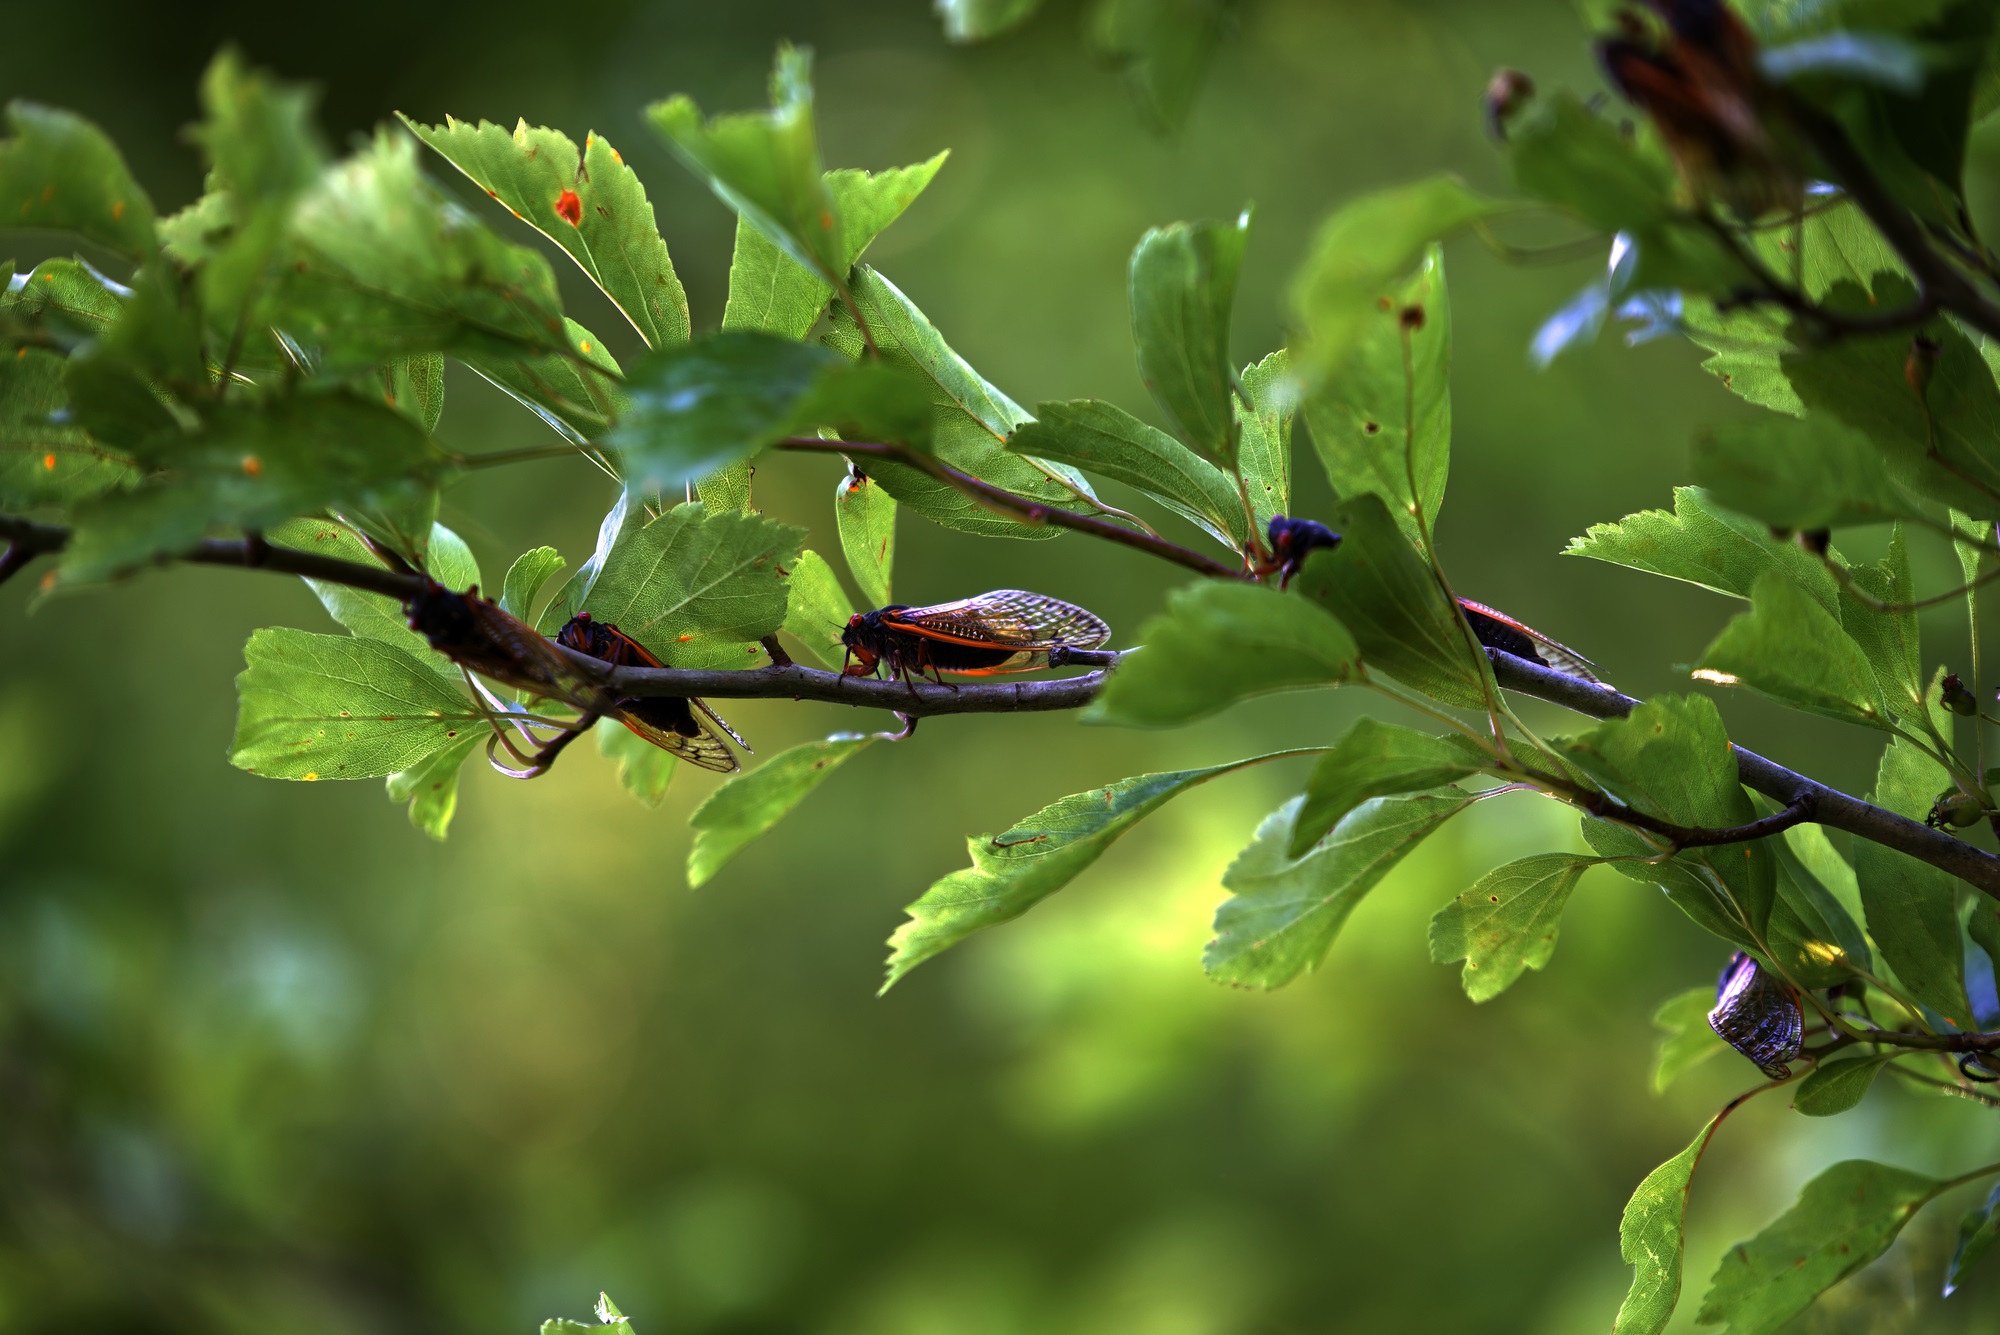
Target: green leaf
(1106, 440)
(816, 608)
(1703, 544)
(1362, 252)
(575, 393)
(1944, 445)
(1976, 1234)
(687, 584)
(1816, 473)
(1670, 758)
(1890, 640)
(970, 420)
(531, 570)
(1264, 448)
(1912, 906)
(1688, 1038)
(1507, 922)
(431, 785)
(59, 171)
(1812, 935)
(1844, 1218)
(1650, 1237)
(251, 466)
(340, 707)
(866, 517)
(1163, 47)
(590, 203)
(1383, 425)
(383, 266)
(766, 165)
(371, 614)
(699, 408)
(1283, 912)
(65, 299)
(769, 290)
(1391, 602)
(977, 20)
(644, 770)
(1374, 759)
(750, 804)
(1790, 648)
(867, 202)
(44, 458)
(1014, 871)
(1835, 1086)
(1182, 283)
(1218, 643)
(263, 153)
(414, 387)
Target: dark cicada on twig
(1293, 540)
(1758, 1014)
(1007, 630)
(482, 638)
(1694, 72)
(667, 721)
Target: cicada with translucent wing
(1758, 1014)
(669, 722)
(1007, 630)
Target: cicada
(667, 721)
(1758, 1014)
(1293, 540)
(1007, 630)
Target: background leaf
(1844, 1218)
(816, 608)
(1284, 912)
(1264, 448)
(866, 517)
(1976, 1235)
(1182, 283)
(748, 805)
(1375, 759)
(59, 171)
(1688, 1039)
(1835, 1086)
(1650, 1239)
(1110, 442)
(1911, 905)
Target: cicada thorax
(1758, 1014)
(667, 721)
(478, 635)
(1006, 630)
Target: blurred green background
(270, 1060)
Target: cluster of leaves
(271, 365)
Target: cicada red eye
(569, 207)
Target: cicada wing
(721, 723)
(1007, 618)
(1557, 655)
(1758, 1014)
(704, 750)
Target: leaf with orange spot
(58, 171)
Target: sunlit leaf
(1705, 545)
(866, 517)
(1014, 871)
(1844, 1218)
(644, 770)
(1507, 922)
(1374, 759)
(1390, 601)
(816, 608)
(590, 203)
(1650, 1239)
(1362, 254)
(531, 570)
(431, 785)
(1182, 283)
(1105, 439)
(371, 614)
(1218, 643)
(1383, 425)
(1264, 446)
(748, 805)
(1789, 647)
(1284, 912)
(1163, 47)
(340, 707)
(977, 20)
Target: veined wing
(1007, 619)
(704, 750)
(1558, 656)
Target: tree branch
(797, 682)
(1830, 807)
(1019, 507)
